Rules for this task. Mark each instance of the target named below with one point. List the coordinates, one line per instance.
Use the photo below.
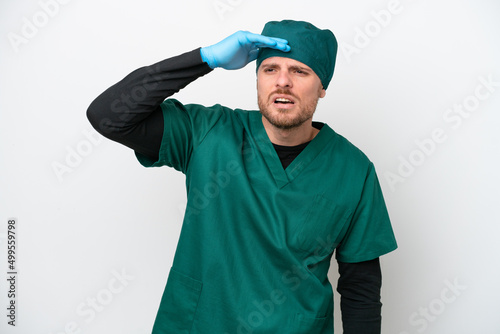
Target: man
(271, 194)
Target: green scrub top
(257, 240)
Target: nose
(284, 80)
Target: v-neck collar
(310, 152)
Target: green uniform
(257, 239)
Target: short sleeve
(370, 233)
(185, 127)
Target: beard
(282, 118)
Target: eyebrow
(293, 67)
(301, 68)
(270, 65)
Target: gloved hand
(239, 49)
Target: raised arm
(129, 112)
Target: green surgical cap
(312, 46)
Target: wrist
(207, 57)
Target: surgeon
(271, 194)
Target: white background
(395, 80)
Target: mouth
(283, 102)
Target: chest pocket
(322, 227)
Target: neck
(290, 137)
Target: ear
(322, 93)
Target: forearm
(129, 112)
(359, 286)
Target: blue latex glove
(239, 49)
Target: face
(288, 92)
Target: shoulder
(345, 150)
(200, 110)
(193, 108)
